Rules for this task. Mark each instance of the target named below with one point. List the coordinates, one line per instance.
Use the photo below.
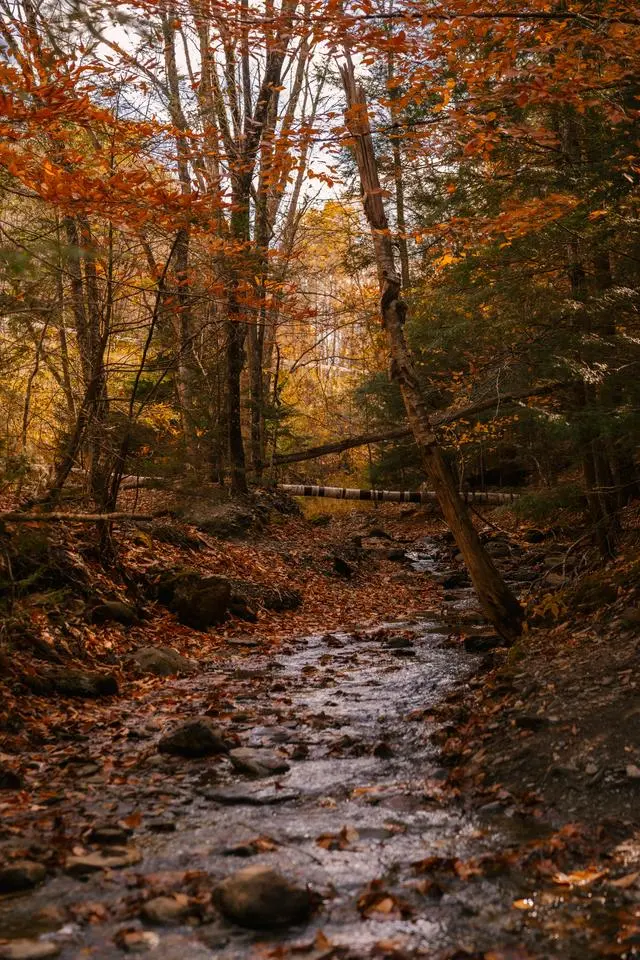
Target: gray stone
(261, 898)
(162, 661)
(399, 643)
(28, 950)
(21, 875)
(257, 762)
(195, 738)
(250, 796)
(109, 834)
(113, 859)
(166, 910)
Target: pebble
(112, 859)
(633, 771)
(21, 875)
(261, 898)
(164, 910)
(28, 950)
(257, 763)
(109, 834)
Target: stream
(360, 804)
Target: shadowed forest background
(188, 278)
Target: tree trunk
(497, 601)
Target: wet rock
(246, 796)
(382, 750)
(399, 643)
(21, 875)
(195, 738)
(116, 611)
(136, 941)
(112, 859)
(162, 661)
(482, 642)
(28, 950)
(404, 652)
(257, 762)
(454, 579)
(9, 779)
(109, 834)
(261, 898)
(160, 825)
(166, 910)
(242, 642)
(72, 683)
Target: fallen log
(399, 433)
(390, 496)
(19, 517)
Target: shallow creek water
(329, 701)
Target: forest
(319, 479)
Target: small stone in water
(112, 859)
(257, 763)
(164, 910)
(261, 898)
(28, 950)
(195, 738)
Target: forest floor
(415, 789)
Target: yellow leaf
(579, 878)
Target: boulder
(195, 738)
(257, 762)
(197, 601)
(261, 898)
(161, 661)
(223, 520)
(21, 875)
(29, 950)
(116, 611)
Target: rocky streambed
(315, 766)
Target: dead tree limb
(18, 517)
(399, 433)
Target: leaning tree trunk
(497, 601)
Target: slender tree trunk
(497, 601)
